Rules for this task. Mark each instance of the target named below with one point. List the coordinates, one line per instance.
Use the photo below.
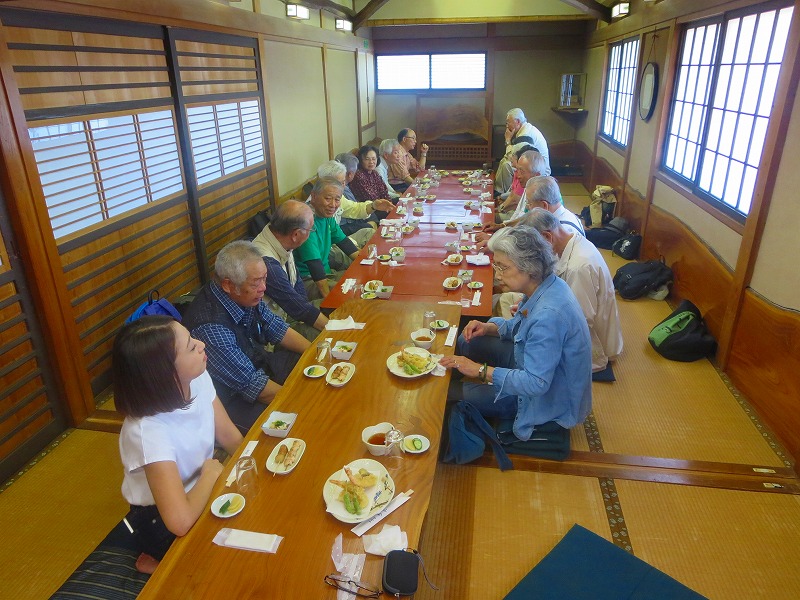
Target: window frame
(705, 200)
(631, 89)
(430, 88)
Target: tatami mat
(722, 543)
(53, 516)
(485, 529)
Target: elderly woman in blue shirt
(539, 362)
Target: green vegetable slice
(417, 443)
(224, 508)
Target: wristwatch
(482, 372)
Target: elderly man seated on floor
(312, 257)
(582, 266)
(518, 133)
(408, 164)
(528, 162)
(538, 362)
(290, 226)
(230, 317)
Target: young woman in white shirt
(172, 419)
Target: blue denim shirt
(553, 357)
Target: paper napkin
(391, 537)
(476, 298)
(348, 565)
(347, 285)
(438, 370)
(343, 324)
(364, 261)
(247, 540)
(478, 259)
(391, 222)
(451, 336)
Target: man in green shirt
(312, 256)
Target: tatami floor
(664, 468)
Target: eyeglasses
(499, 268)
(354, 587)
(408, 137)
(312, 230)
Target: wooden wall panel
(605, 174)
(700, 275)
(764, 364)
(633, 206)
(109, 275)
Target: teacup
(423, 338)
(373, 432)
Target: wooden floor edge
(103, 420)
(584, 468)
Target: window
(431, 72)
(725, 86)
(225, 138)
(622, 62)
(97, 169)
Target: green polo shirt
(318, 245)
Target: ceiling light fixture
(296, 11)
(621, 9)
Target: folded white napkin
(476, 298)
(451, 302)
(343, 324)
(487, 203)
(486, 209)
(438, 370)
(451, 336)
(364, 261)
(394, 263)
(478, 259)
(347, 285)
(391, 222)
(348, 565)
(391, 537)
(247, 540)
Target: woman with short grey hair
(539, 362)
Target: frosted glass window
(431, 72)
(621, 83)
(738, 58)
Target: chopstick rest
(247, 540)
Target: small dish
(454, 259)
(451, 225)
(418, 211)
(373, 286)
(416, 444)
(343, 350)
(423, 338)
(233, 500)
(278, 424)
(288, 443)
(384, 257)
(340, 373)
(376, 449)
(451, 283)
(439, 324)
(385, 292)
(408, 228)
(397, 250)
(315, 371)
(369, 296)
(475, 285)
(465, 248)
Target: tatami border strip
(35, 460)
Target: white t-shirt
(184, 436)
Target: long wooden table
(330, 421)
(422, 275)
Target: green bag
(683, 336)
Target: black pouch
(400, 573)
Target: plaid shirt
(226, 361)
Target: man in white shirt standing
(518, 133)
(582, 266)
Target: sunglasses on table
(358, 588)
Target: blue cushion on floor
(584, 566)
(108, 573)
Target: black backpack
(627, 246)
(683, 336)
(604, 237)
(634, 280)
(258, 222)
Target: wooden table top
(330, 421)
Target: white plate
(451, 287)
(475, 285)
(444, 325)
(314, 371)
(373, 285)
(288, 442)
(450, 225)
(335, 383)
(379, 495)
(426, 443)
(217, 504)
(452, 260)
(395, 368)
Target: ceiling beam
(591, 8)
(365, 13)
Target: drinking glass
(394, 443)
(428, 318)
(247, 482)
(372, 251)
(466, 292)
(324, 349)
